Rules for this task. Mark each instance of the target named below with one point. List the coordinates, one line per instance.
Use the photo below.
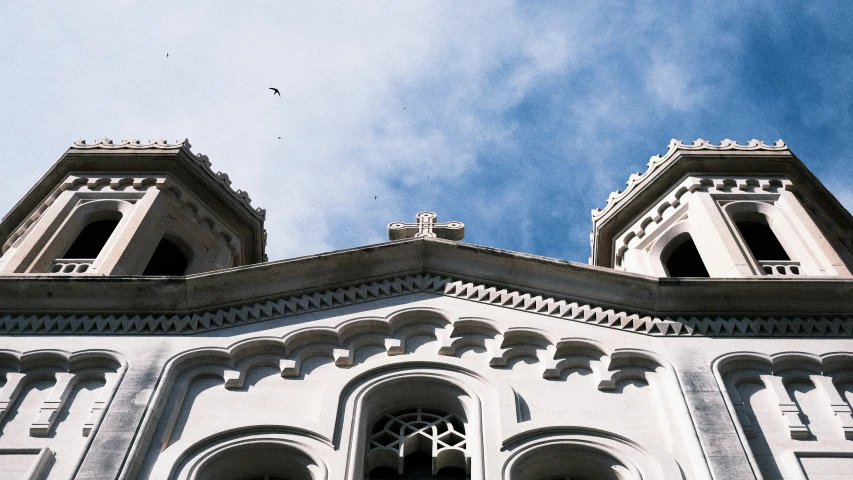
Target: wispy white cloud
(675, 86)
(493, 113)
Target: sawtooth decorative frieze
(203, 321)
(657, 162)
(202, 162)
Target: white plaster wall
(704, 206)
(681, 422)
(66, 440)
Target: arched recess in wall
(674, 254)
(767, 236)
(756, 233)
(86, 234)
(251, 455)
(455, 405)
(582, 453)
(61, 407)
(764, 395)
(171, 257)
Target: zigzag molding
(192, 323)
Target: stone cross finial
(426, 226)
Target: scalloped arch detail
(392, 333)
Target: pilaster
(710, 232)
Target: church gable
(425, 357)
(366, 367)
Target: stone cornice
(200, 161)
(575, 292)
(704, 159)
(658, 162)
(133, 159)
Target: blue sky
(514, 118)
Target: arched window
(569, 462)
(168, 259)
(684, 260)
(91, 239)
(761, 240)
(258, 460)
(418, 418)
(418, 443)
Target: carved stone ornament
(658, 161)
(440, 434)
(201, 161)
(426, 226)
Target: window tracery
(418, 443)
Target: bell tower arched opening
(92, 239)
(761, 240)
(684, 259)
(169, 258)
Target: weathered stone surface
(499, 364)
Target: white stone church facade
(143, 334)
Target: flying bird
(275, 91)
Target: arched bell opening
(760, 239)
(682, 258)
(96, 227)
(760, 228)
(92, 239)
(171, 257)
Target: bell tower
(131, 208)
(726, 210)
